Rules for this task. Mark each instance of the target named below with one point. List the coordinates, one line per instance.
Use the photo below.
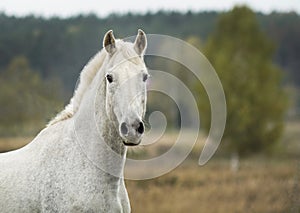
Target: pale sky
(66, 8)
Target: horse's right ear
(109, 42)
(140, 43)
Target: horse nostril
(141, 128)
(124, 129)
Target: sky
(66, 8)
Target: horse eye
(145, 77)
(109, 78)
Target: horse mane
(86, 77)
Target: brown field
(8, 144)
(262, 184)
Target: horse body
(66, 168)
(57, 177)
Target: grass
(260, 185)
(12, 143)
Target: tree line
(61, 47)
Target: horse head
(126, 76)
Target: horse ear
(109, 42)
(140, 43)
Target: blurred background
(255, 49)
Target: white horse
(76, 163)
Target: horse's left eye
(145, 77)
(109, 78)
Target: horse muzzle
(132, 132)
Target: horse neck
(96, 133)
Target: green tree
(25, 100)
(242, 56)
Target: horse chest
(80, 187)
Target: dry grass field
(8, 144)
(261, 184)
